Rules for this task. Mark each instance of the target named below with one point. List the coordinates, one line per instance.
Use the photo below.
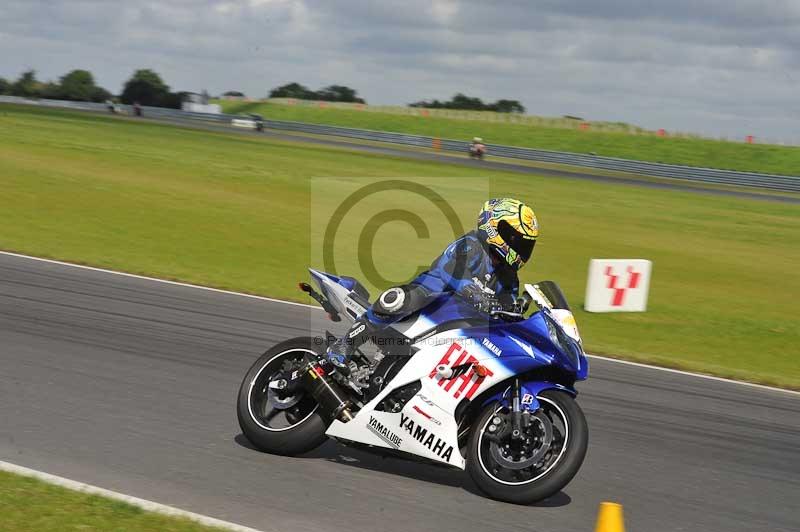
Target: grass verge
(29, 504)
(762, 158)
(236, 212)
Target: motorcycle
(477, 151)
(486, 390)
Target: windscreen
(552, 292)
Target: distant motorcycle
(477, 149)
(481, 389)
(258, 122)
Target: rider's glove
(505, 307)
(490, 304)
(475, 296)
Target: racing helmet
(510, 228)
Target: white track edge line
(155, 279)
(144, 504)
(698, 375)
(283, 301)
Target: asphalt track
(130, 385)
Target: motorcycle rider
(480, 266)
(477, 148)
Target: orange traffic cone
(609, 518)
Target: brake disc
(544, 437)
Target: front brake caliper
(499, 428)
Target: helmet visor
(516, 241)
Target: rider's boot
(341, 352)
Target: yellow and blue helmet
(510, 228)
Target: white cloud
(715, 66)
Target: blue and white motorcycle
(451, 384)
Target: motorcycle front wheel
(535, 464)
(285, 423)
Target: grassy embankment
(645, 147)
(28, 504)
(236, 212)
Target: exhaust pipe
(326, 392)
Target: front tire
(295, 426)
(558, 440)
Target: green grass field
(236, 212)
(28, 504)
(689, 151)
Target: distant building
(198, 103)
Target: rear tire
(304, 428)
(569, 440)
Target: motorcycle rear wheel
(507, 472)
(288, 430)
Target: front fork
(520, 398)
(516, 410)
(514, 424)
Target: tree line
(331, 93)
(76, 85)
(341, 93)
(467, 103)
(146, 87)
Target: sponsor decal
(490, 230)
(468, 382)
(421, 412)
(434, 443)
(295, 374)
(527, 399)
(425, 400)
(358, 330)
(384, 433)
(352, 305)
(491, 347)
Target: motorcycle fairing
(342, 292)
(450, 333)
(426, 424)
(521, 341)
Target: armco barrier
(689, 173)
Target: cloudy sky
(721, 67)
